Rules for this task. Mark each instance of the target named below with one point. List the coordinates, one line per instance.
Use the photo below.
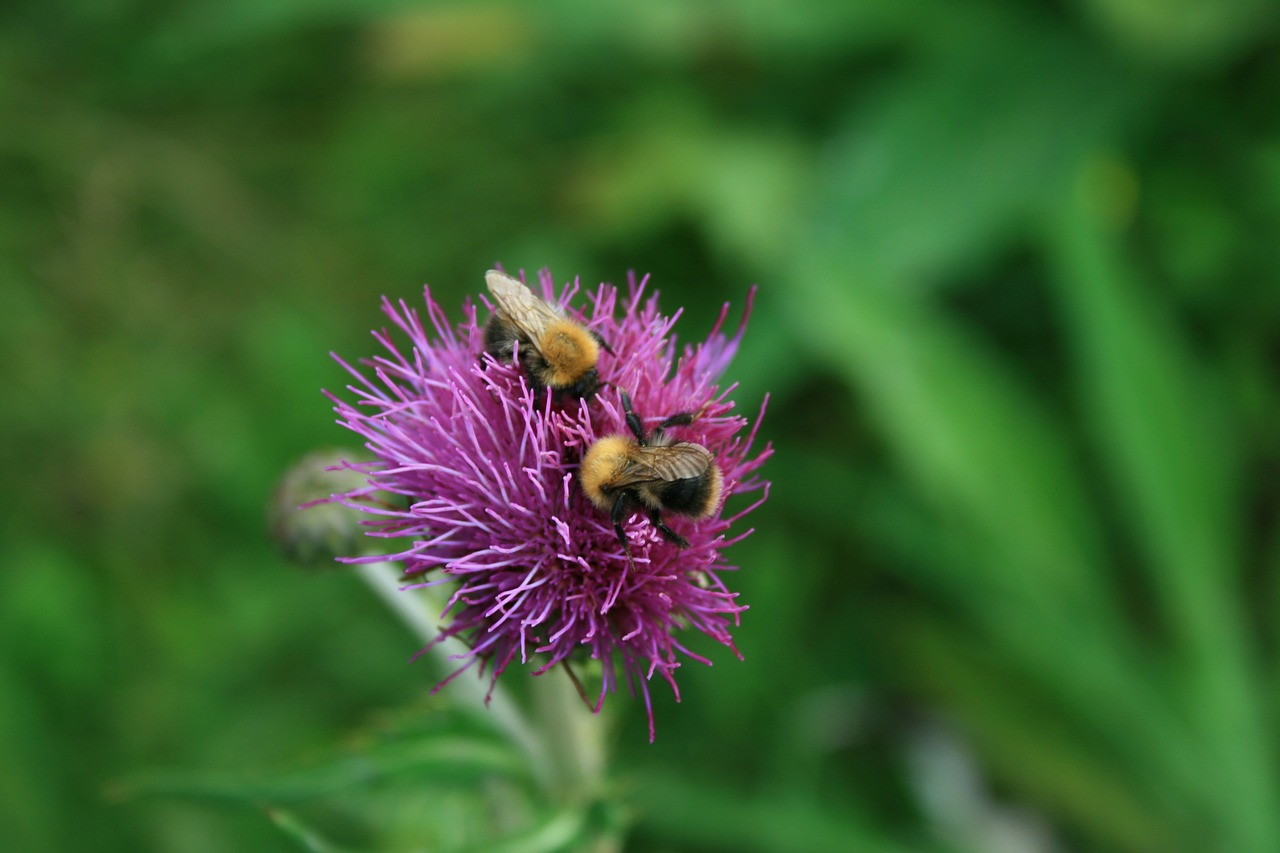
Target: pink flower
(488, 472)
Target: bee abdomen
(692, 496)
(499, 337)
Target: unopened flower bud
(313, 534)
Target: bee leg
(538, 390)
(619, 515)
(604, 345)
(656, 517)
(585, 388)
(633, 420)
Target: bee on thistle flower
(495, 504)
(556, 351)
(624, 472)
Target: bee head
(603, 464)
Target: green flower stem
(419, 609)
(565, 748)
(575, 733)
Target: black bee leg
(538, 390)
(656, 517)
(633, 420)
(586, 386)
(620, 515)
(604, 345)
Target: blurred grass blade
(1176, 469)
(951, 159)
(463, 760)
(1001, 479)
(560, 832)
(686, 813)
(307, 838)
(1190, 33)
(970, 438)
(1038, 744)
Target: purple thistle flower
(489, 473)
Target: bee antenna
(682, 419)
(604, 345)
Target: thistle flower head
(491, 501)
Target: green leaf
(1154, 411)
(307, 837)
(462, 759)
(1186, 32)
(1001, 480)
(688, 813)
(559, 831)
(1040, 744)
(947, 164)
(971, 439)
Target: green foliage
(1018, 315)
(433, 780)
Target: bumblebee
(621, 473)
(555, 351)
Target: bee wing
(527, 312)
(665, 464)
(681, 460)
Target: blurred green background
(1016, 587)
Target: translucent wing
(529, 314)
(665, 464)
